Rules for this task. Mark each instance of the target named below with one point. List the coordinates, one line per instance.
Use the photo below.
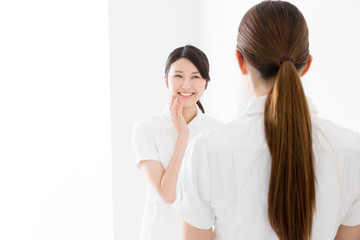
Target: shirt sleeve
(218, 123)
(144, 143)
(194, 194)
(352, 180)
(353, 215)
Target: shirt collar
(195, 122)
(257, 105)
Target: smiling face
(185, 82)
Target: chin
(188, 104)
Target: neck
(189, 113)
(261, 88)
(257, 85)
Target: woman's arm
(164, 181)
(348, 233)
(193, 233)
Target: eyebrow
(182, 72)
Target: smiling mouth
(186, 94)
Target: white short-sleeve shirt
(155, 140)
(225, 178)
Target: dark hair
(194, 55)
(269, 32)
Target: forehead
(183, 65)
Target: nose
(186, 83)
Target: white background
(55, 135)
(57, 180)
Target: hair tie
(285, 58)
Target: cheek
(200, 93)
(172, 86)
(200, 87)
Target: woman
(160, 143)
(278, 172)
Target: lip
(186, 96)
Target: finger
(174, 108)
(176, 103)
(173, 104)
(180, 109)
(172, 100)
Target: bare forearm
(348, 233)
(169, 179)
(193, 233)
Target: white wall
(55, 157)
(334, 80)
(142, 34)
(227, 95)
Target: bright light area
(55, 157)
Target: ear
(166, 81)
(241, 62)
(307, 66)
(206, 84)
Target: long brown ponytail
(291, 197)
(200, 106)
(268, 32)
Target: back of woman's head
(196, 57)
(273, 38)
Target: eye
(177, 75)
(196, 76)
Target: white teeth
(186, 94)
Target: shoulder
(335, 135)
(156, 120)
(141, 132)
(213, 122)
(212, 119)
(242, 133)
(144, 127)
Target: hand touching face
(177, 117)
(185, 82)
